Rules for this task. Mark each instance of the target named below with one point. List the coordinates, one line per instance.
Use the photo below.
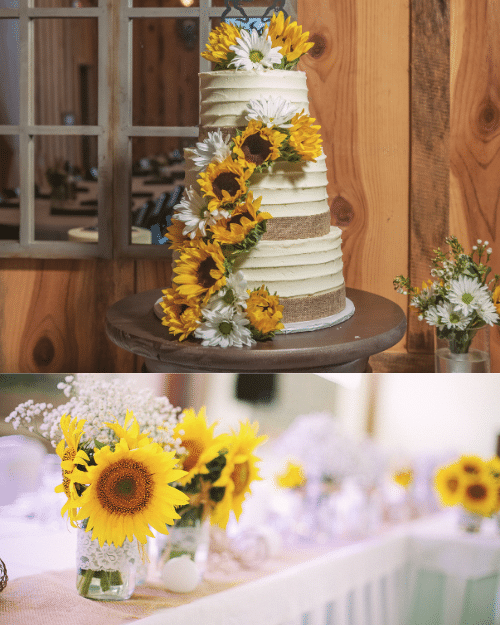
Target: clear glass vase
(183, 552)
(106, 573)
(469, 521)
(449, 358)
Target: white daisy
(233, 293)
(488, 313)
(272, 111)
(467, 294)
(193, 211)
(224, 327)
(432, 317)
(213, 148)
(451, 318)
(254, 51)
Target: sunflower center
(467, 298)
(225, 328)
(255, 56)
(471, 468)
(124, 487)
(194, 450)
(477, 492)
(256, 149)
(226, 181)
(240, 477)
(203, 274)
(452, 484)
(236, 219)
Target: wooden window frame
(114, 129)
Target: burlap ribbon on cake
(313, 307)
(307, 227)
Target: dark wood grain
(430, 143)
(376, 325)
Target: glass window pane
(165, 72)
(66, 71)
(157, 184)
(166, 3)
(9, 72)
(9, 187)
(66, 3)
(66, 188)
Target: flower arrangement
(472, 483)
(462, 298)
(125, 473)
(278, 45)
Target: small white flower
(224, 327)
(214, 148)
(233, 293)
(254, 51)
(193, 211)
(488, 313)
(489, 250)
(486, 243)
(272, 111)
(432, 317)
(451, 318)
(467, 294)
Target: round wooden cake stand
(376, 325)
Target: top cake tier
(225, 95)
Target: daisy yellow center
(125, 487)
(240, 477)
(477, 492)
(467, 298)
(194, 450)
(229, 297)
(225, 328)
(256, 56)
(256, 149)
(226, 181)
(203, 273)
(454, 318)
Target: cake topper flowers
(279, 45)
(462, 298)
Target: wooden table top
(377, 324)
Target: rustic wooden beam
(429, 147)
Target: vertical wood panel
(475, 131)
(429, 173)
(359, 92)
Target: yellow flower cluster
(471, 482)
(292, 476)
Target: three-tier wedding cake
(253, 245)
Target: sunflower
(224, 182)
(200, 271)
(403, 477)
(219, 42)
(293, 476)
(304, 138)
(496, 298)
(199, 441)
(130, 431)
(258, 144)
(472, 465)
(264, 311)
(128, 492)
(240, 471)
(182, 316)
(175, 236)
(493, 466)
(242, 221)
(67, 450)
(480, 495)
(289, 37)
(449, 482)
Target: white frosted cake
(258, 149)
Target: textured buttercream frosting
(300, 257)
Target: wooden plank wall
(381, 143)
